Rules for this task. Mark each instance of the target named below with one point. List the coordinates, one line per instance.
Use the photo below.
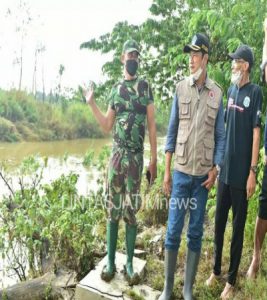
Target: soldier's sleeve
(257, 105)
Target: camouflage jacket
(129, 100)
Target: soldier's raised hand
(88, 93)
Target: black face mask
(131, 66)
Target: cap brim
(234, 56)
(189, 48)
(132, 50)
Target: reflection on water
(13, 154)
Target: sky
(61, 26)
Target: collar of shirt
(207, 83)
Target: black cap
(200, 42)
(243, 52)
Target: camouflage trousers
(123, 187)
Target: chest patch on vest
(211, 94)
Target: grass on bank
(22, 117)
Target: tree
(173, 23)
(38, 50)
(58, 88)
(22, 18)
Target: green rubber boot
(109, 270)
(169, 269)
(131, 277)
(192, 261)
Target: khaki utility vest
(197, 115)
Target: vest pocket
(212, 109)
(184, 108)
(208, 149)
(181, 149)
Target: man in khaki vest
(196, 138)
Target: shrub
(37, 120)
(8, 131)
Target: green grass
(256, 290)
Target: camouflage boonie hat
(130, 46)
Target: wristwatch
(217, 167)
(254, 169)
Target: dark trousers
(230, 197)
(263, 197)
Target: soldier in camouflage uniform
(130, 105)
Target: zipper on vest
(195, 138)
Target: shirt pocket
(182, 147)
(184, 107)
(207, 155)
(212, 110)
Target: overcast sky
(61, 26)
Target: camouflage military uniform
(129, 100)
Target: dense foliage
(162, 36)
(170, 27)
(41, 221)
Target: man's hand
(167, 183)
(251, 184)
(88, 93)
(212, 175)
(152, 168)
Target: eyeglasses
(237, 61)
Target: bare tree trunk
(43, 83)
(34, 74)
(21, 66)
(57, 286)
